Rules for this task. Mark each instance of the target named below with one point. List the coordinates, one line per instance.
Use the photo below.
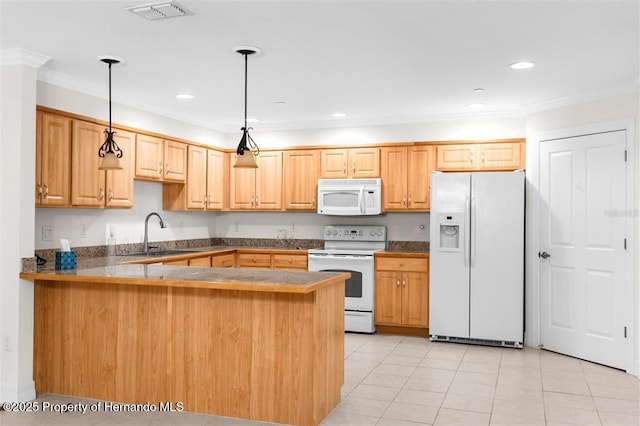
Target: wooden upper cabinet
(175, 161)
(53, 160)
(205, 178)
(485, 156)
(301, 168)
(350, 163)
(406, 177)
(90, 186)
(88, 183)
(260, 188)
(217, 179)
(120, 182)
(196, 177)
(149, 157)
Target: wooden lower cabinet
(200, 261)
(182, 262)
(254, 260)
(402, 291)
(277, 260)
(290, 261)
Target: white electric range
(350, 248)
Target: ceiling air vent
(159, 10)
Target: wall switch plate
(47, 233)
(4, 344)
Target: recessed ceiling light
(338, 114)
(184, 96)
(476, 105)
(522, 65)
(478, 90)
(281, 103)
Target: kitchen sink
(160, 253)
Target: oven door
(359, 288)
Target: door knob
(544, 255)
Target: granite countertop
(262, 280)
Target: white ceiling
(380, 62)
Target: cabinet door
(364, 162)
(120, 182)
(301, 179)
(196, 177)
(415, 299)
(500, 156)
(455, 157)
(388, 298)
(149, 152)
(175, 161)
(333, 163)
(419, 166)
(394, 178)
(88, 186)
(242, 184)
(216, 179)
(269, 181)
(53, 160)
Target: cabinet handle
(313, 202)
(472, 158)
(160, 168)
(398, 282)
(404, 282)
(166, 172)
(257, 202)
(110, 194)
(404, 201)
(482, 157)
(409, 201)
(354, 167)
(101, 194)
(205, 200)
(344, 167)
(39, 191)
(46, 190)
(251, 201)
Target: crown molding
(19, 56)
(550, 104)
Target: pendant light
(110, 152)
(247, 148)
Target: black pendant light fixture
(110, 152)
(247, 148)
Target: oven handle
(340, 256)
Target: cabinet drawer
(223, 261)
(402, 264)
(254, 260)
(290, 261)
(183, 262)
(200, 261)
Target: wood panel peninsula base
(256, 344)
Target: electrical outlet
(47, 233)
(83, 231)
(423, 229)
(4, 344)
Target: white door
(497, 257)
(582, 244)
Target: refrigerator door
(496, 256)
(449, 255)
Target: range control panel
(355, 233)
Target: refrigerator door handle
(474, 213)
(465, 240)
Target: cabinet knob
(344, 167)
(404, 201)
(110, 194)
(253, 259)
(160, 168)
(289, 260)
(101, 194)
(409, 200)
(472, 158)
(46, 190)
(354, 167)
(404, 283)
(398, 282)
(257, 202)
(167, 169)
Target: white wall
(127, 225)
(624, 107)
(400, 226)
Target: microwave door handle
(361, 201)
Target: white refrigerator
(476, 276)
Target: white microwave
(350, 197)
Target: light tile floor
(408, 381)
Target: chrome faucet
(145, 243)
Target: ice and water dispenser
(450, 238)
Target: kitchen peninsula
(251, 343)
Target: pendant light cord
(245, 91)
(110, 63)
